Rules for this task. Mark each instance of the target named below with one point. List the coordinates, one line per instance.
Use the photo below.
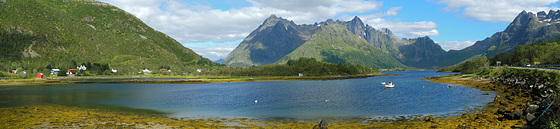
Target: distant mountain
(271, 41)
(219, 61)
(422, 53)
(353, 42)
(36, 33)
(278, 40)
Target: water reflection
(352, 98)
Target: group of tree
(545, 53)
(305, 66)
(476, 66)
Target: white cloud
(496, 10)
(214, 52)
(199, 23)
(329, 7)
(454, 45)
(401, 29)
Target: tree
(73, 64)
(62, 72)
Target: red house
(72, 71)
(39, 76)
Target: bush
(478, 66)
(62, 72)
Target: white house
(146, 70)
(114, 70)
(82, 67)
(55, 71)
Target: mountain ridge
(526, 28)
(382, 43)
(422, 52)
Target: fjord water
(364, 97)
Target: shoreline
(173, 79)
(491, 115)
(480, 117)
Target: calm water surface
(283, 99)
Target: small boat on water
(389, 85)
(382, 83)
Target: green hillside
(546, 53)
(336, 44)
(63, 33)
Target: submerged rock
(321, 125)
(515, 115)
(428, 119)
(531, 108)
(530, 117)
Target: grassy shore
(170, 79)
(487, 117)
(48, 116)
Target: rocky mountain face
(422, 53)
(61, 33)
(526, 28)
(271, 41)
(333, 41)
(278, 40)
(336, 44)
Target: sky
(213, 28)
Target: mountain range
(277, 39)
(61, 33)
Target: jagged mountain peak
(273, 20)
(529, 20)
(356, 26)
(553, 14)
(552, 17)
(523, 21)
(357, 20)
(329, 21)
(386, 31)
(424, 38)
(272, 16)
(541, 14)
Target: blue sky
(214, 28)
